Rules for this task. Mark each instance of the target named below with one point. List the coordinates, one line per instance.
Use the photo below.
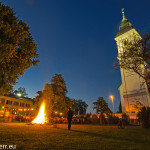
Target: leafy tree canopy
(144, 116)
(54, 95)
(74, 106)
(21, 91)
(101, 106)
(80, 106)
(59, 85)
(138, 105)
(135, 56)
(18, 50)
(38, 99)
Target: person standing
(6, 116)
(10, 117)
(69, 117)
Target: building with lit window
(16, 105)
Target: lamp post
(112, 99)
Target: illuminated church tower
(133, 88)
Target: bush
(88, 119)
(112, 119)
(125, 119)
(94, 119)
(144, 117)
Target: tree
(18, 50)
(54, 95)
(138, 106)
(49, 98)
(135, 56)
(21, 91)
(101, 106)
(82, 106)
(78, 106)
(144, 117)
(125, 119)
(38, 99)
(74, 106)
(68, 102)
(120, 108)
(59, 85)
(60, 91)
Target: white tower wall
(133, 88)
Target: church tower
(133, 88)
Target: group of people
(56, 120)
(63, 120)
(77, 120)
(24, 118)
(69, 119)
(9, 117)
(27, 118)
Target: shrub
(95, 119)
(88, 119)
(125, 119)
(144, 117)
(102, 119)
(112, 119)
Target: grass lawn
(81, 137)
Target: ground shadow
(106, 136)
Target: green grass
(81, 137)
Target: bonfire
(41, 117)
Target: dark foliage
(101, 106)
(125, 119)
(112, 119)
(18, 50)
(20, 90)
(135, 56)
(144, 117)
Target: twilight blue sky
(76, 39)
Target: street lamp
(112, 99)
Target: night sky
(75, 38)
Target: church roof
(124, 26)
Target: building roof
(21, 98)
(124, 26)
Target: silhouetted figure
(75, 120)
(6, 115)
(120, 124)
(69, 117)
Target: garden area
(57, 137)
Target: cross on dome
(124, 18)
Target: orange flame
(40, 119)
